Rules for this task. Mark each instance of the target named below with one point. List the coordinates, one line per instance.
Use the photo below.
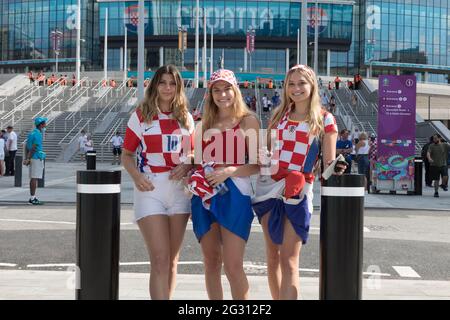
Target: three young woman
(222, 202)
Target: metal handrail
(84, 126)
(111, 132)
(2, 101)
(122, 86)
(28, 93)
(72, 130)
(130, 92)
(104, 95)
(97, 86)
(74, 98)
(78, 85)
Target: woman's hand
(180, 171)
(339, 169)
(142, 183)
(219, 175)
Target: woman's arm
(329, 148)
(140, 180)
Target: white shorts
(168, 198)
(36, 170)
(2, 156)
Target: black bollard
(18, 171)
(418, 175)
(98, 231)
(91, 157)
(41, 182)
(341, 237)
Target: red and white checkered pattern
(294, 140)
(161, 144)
(223, 75)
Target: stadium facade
(386, 37)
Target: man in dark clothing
(428, 180)
(437, 156)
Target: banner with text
(396, 130)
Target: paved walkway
(60, 187)
(50, 285)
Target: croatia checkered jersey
(160, 145)
(298, 150)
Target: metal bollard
(18, 171)
(418, 175)
(91, 159)
(41, 182)
(341, 237)
(98, 234)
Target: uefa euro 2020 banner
(396, 132)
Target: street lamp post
(78, 53)
(316, 39)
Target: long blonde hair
(211, 113)
(179, 105)
(314, 115)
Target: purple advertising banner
(396, 130)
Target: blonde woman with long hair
(160, 131)
(221, 205)
(283, 201)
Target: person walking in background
(332, 104)
(373, 161)
(265, 103)
(89, 144)
(160, 132)
(344, 146)
(222, 216)
(82, 139)
(337, 82)
(2, 154)
(11, 147)
(283, 201)
(35, 157)
(354, 102)
(325, 101)
(117, 142)
(362, 157)
(276, 100)
(428, 180)
(437, 156)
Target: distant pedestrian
(337, 81)
(373, 161)
(332, 105)
(354, 102)
(428, 180)
(35, 157)
(325, 101)
(265, 103)
(89, 145)
(117, 142)
(437, 156)
(82, 139)
(11, 148)
(2, 154)
(276, 100)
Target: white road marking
(8, 265)
(406, 272)
(50, 265)
(376, 274)
(133, 263)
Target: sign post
(56, 38)
(396, 133)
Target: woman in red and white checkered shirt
(160, 132)
(283, 201)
